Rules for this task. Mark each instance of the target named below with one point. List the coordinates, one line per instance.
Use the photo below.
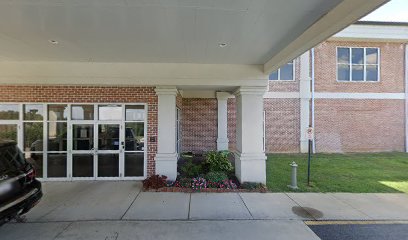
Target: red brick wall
(91, 94)
(199, 124)
(391, 68)
(359, 125)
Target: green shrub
(218, 161)
(189, 169)
(216, 177)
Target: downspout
(406, 97)
(313, 98)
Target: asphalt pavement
(385, 231)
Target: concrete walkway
(75, 210)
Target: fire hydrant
(293, 184)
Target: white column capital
(250, 91)
(223, 95)
(166, 90)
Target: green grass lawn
(357, 172)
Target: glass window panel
(82, 137)
(274, 76)
(357, 73)
(8, 132)
(57, 112)
(57, 165)
(343, 55)
(343, 72)
(110, 112)
(134, 136)
(33, 136)
(57, 136)
(286, 72)
(36, 160)
(134, 163)
(135, 113)
(82, 165)
(9, 112)
(33, 112)
(357, 55)
(82, 112)
(372, 73)
(108, 135)
(372, 56)
(108, 165)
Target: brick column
(166, 157)
(250, 156)
(222, 139)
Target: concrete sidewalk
(72, 209)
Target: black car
(19, 190)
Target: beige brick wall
(232, 124)
(359, 125)
(199, 124)
(91, 94)
(282, 125)
(391, 68)
(287, 86)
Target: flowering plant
(199, 183)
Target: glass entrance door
(110, 150)
(83, 151)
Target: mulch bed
(205, 190)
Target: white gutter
(313, 99)
(406, 97)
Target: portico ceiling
(170, 31)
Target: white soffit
(166, 31)
(373, 32)
(341, 16)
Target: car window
(11, 159)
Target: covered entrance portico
(119, 54)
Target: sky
(393, 11)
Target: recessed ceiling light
(53, 41)
(222, 45)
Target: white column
(166, 157)
(305, 97)
(249, 156)
(222, 139)
(406, 98)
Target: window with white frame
(285, 73)
(358, 64)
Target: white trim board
(282, 95)
(373, 33)
(338, 95)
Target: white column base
(304, 146)
(250, 167)
(222, 144)
(166, 164)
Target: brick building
(360, 115)
(117, 90)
